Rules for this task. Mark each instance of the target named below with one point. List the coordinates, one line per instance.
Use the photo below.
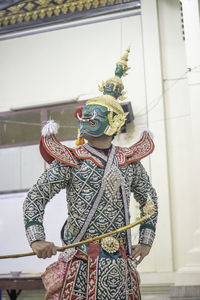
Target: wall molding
(37, 13)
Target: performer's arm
(142, 189)
(49, 183)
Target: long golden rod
(90, 240)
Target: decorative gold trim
(107, 101)
(31, 10)
(110, 244)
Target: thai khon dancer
(99, 179)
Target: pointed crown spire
(114, 86)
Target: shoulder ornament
(138, 151)
(51, 148)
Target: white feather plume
(145, 129)
(51, 127)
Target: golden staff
(148, 211)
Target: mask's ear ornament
(80, 140)
(78, 114)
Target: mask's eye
(103, 114)
(87, 114)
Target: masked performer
(98, 178)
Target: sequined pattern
(82, 185)
(146, 236)
(108, 274)
(35, 232)
(142, 188)
(85, 184)
(113, 281)
(49, 183)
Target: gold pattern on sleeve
(149, 207)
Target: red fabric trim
(138, 151)
(123, 251)
(47, 157)
(92, 271)
(82, 153)
(70, 277)
(63, 286)
(55, 149)
(135, 284)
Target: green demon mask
(94, 120)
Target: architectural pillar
(156, 123)
(190, 273)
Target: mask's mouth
(90, 120)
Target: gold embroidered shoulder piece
(51, 148)
(138, 151)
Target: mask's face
(94, 120)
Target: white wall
(181, 104)
(177, 120)
(20, 167)
(12, 232)
(65, 63)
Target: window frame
(43, 109)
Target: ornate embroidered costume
(111, 274)
(98, 188)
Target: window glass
(19, 128)
(68, 124)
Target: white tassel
(51, 127)
(145, 129)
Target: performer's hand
(140, 250)
(43, 249)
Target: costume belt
(110, 244)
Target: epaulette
(51, 148)
(138, 151)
